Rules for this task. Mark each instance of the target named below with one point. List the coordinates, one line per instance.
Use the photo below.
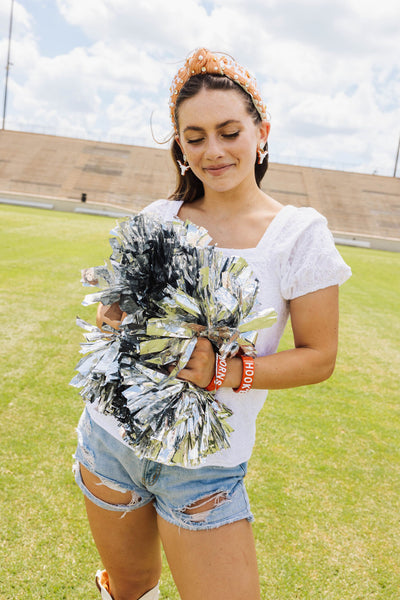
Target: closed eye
(196, 141)
(229, 136)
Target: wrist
(247, 379)
(233, 372)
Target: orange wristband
(220, 374)
(247, 375)
(211, 385)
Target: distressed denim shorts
(172, 489)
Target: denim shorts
(172, 489)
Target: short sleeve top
(295, 256)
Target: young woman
(201, 515)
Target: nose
(213, 148)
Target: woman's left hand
(200, 368)
(112, 315)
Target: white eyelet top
(295, 256)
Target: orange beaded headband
(203, 61)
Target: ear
(178, 141)
(264, 132)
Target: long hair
(188, 186)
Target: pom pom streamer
(174, 287)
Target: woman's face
(220, 138)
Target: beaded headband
(203, 61)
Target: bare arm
(315, 328)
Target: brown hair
(188, 186)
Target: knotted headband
(203, 61)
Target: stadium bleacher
(54, 172)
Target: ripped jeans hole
(135, 497)
(200, 509)
(111, 486)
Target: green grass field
(324, 481)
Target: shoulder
(306, 254)
(167, 209)
(294, 223)
(300, 218)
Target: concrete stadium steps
(49, 166)
(352, 202)
(129, 177)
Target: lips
(218, 169)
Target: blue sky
(53, 33)
(329, 70)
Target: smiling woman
(221, 143)
(190, 187)
(201, 514)
(221, 149)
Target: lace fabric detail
(308, 257)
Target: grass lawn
(324, 480)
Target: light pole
(8, 64)
(397, 158)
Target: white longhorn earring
(261, 153)
(183, 166)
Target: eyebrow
(219, 126)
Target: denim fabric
(172, 489)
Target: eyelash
(230, 136)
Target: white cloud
(21, 18)
(158, 27)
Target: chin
(223, 188)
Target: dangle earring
(183, 167)
(261, 153)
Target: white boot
(103, 585)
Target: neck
(237, 200)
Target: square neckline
(287, 208)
